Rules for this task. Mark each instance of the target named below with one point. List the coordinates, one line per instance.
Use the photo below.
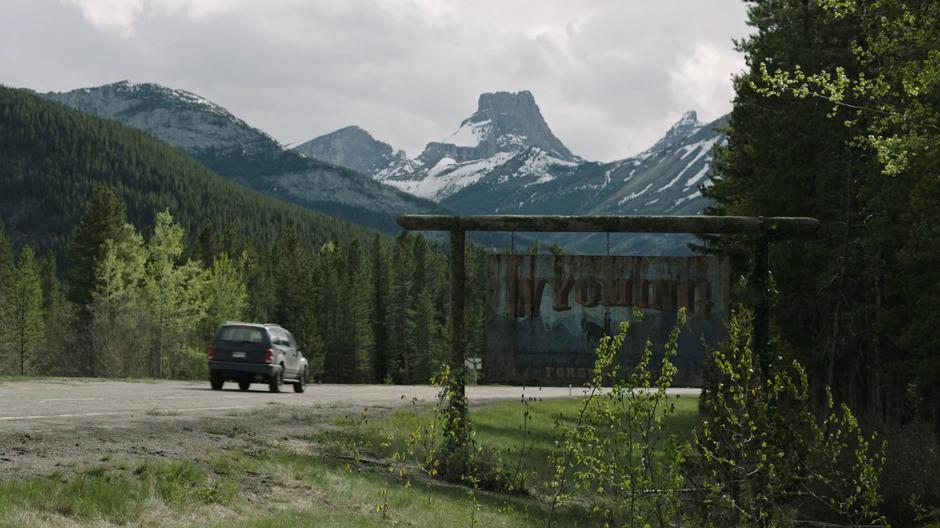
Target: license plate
(238, 354)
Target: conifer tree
(787, 158)
(400, 361)
(358, 306)
(380, 299)
(28, 321)
(295, 307)
(208, 245)
(103, 220)
(262, 293)
(426, 338)
(50, 355)
(226, 294)
(53, 298)
(330, 278)
(7, 280)
(174, 293)
(117, 307)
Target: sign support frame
(761, 228)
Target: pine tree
(103, 220)
(117, 306)
(262, 293)
(400, 317)
(7, 280)
(226, 294)
(331, 312)
(174, 293)
(208, 245)
(359, 310)
(426, 338)
(28, 318)
(787, 158)
(380, 299)
(295, 306)
(50, 357)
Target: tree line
(132, 304)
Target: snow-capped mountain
(504, 160)
(504, 126)
(504, 122)
(240, 152)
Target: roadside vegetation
(748, 453)
(273, 485)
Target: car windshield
(242, 334)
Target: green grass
(266, 486)
(117, 493)
(347, 495)
(520, 448)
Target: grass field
(343, 476)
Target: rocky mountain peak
(519, 104)
(350, 147)
(687, 125)
(503, 122)
(178, 117)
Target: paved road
(25, 403)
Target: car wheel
(301, 383)
(216, 381)
(243, 385)
(276, 381)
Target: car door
(278, 342)
(294, 354)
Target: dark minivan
(249, 352)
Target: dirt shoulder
(40, 451)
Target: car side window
(275, 336)
(290, 339)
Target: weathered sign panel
(546, 314)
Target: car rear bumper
(252, 371)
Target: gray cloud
(609, 75)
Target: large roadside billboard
(546, 314)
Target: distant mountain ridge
(504, 159)
(234, 149)
(354, 148)
(51, 156)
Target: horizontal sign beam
(613, 224)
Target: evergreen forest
(122, 255)
(837, 117)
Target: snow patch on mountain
(448, 177)
(469, 135)
(634, 195)
(698, 176)
(441, 166)
(538, 163)
(692, 196)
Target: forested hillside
(107, 224)
(51, 156)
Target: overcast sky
(610, 76)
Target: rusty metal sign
(546, 314)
